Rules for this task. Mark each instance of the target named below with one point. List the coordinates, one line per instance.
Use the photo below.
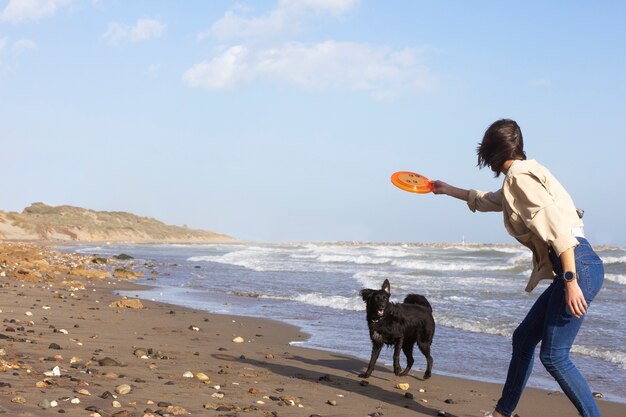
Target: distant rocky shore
(67, 223)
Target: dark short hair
(501, 142)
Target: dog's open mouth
(381, 312)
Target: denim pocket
(590, 274)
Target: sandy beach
(69, 345)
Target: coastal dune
(40, 221)
(70, 345)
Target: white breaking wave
(92, 249)
(392, 252)
(336, 302)
(456, 298)
(614, 260)
(522, 258)
(448, 266)
(618, 358)
(256, 258)
(486, 248)
(233, 258)
(475, 327)
(620, 279)
(302, 256)
(361, 259)
(371, 279)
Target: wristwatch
(570, 276)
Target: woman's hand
(440, 187)
(574, 299)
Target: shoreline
(263, 376)
(305, 343)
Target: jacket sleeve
(540, 212)
(482, 201)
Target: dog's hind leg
(425, 349)
(376, 348)
(407, 348)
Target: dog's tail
(418, 299)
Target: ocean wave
(613, 259)
(618, 358)
(360, 259)
(303, 256)
(256, 258)
(456, 298)
(392, 252)
(474, 326)
(336, 302)
(333, 301)
(245, 258)
(619, 279)
(370, 279)
(486, 248)
(90, 249)
(447, 266)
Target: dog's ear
(386, 287)
(366, 293)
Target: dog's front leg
(376, 348)
(396, 356)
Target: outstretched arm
(441, 187)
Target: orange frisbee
(412, 182)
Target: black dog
(400, 325)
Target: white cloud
(260, 53)
(24, 10)
(143, 30)
(24, 44)
(10, 52)
(382, 72)
(287, 16)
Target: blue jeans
(550, 322)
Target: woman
(541, 215)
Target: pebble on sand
(56, 371)
(201, 377)
(108, 362)
(18, 400)
(238, 339)
(123, 389)
(130, 303)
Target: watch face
(568, 276)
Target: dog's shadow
(347, 364)
(333, 374)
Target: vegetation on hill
(41, 221)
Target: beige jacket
(538, 212)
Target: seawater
(477, 294)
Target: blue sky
(283, 120)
